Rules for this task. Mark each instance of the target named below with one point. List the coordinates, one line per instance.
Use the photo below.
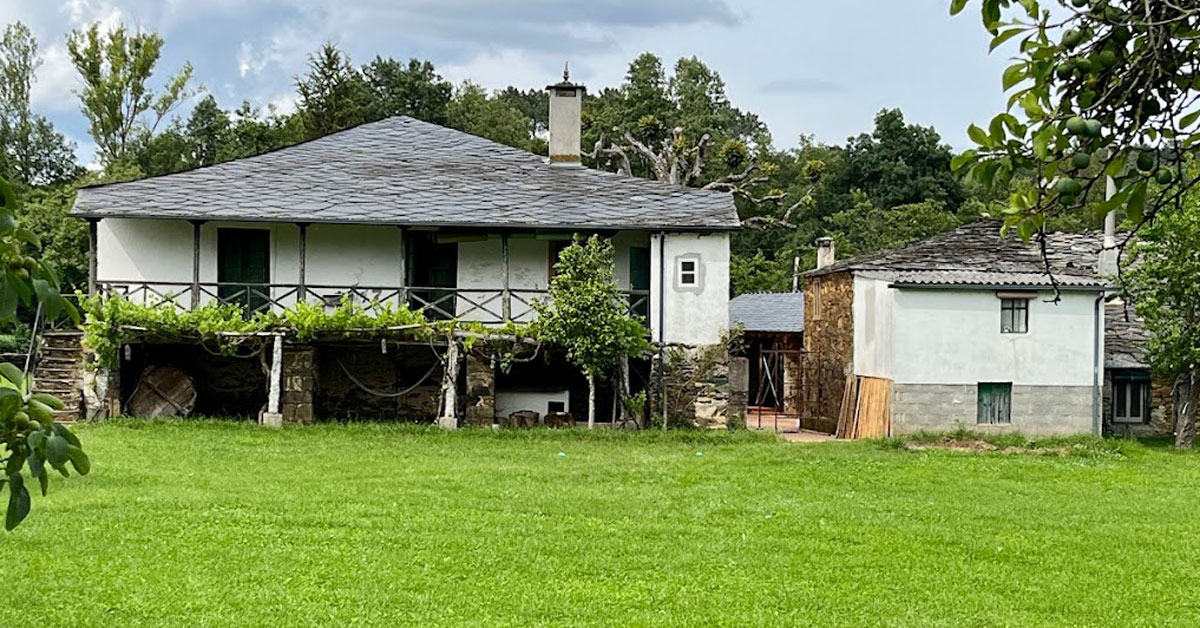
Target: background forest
(890, 185)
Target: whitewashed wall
(874, 339)
(139, 250)
(691, 316)
(953, 337)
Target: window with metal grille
(995, 404)
(1014, 316)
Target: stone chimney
(826, 252)
(566, 121)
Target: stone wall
(379, 377)
(1036, 410)
(828, 341)
(480, 397)
(700, 386)
(299, 384)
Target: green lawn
(218, 524)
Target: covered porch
(485, 276)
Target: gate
(793, 390)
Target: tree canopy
(1098, 89)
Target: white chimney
(826, 252)
(566, 121)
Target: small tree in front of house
(1164, 284)
(586, 313)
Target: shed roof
(781, 312)
(1126, 340)
(977, 255)
(403, 171)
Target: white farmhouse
(409, 213)
(963, 330)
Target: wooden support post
(403, 294)
(504, 276)
(196, 263)
(273, 417)
(449, 418)
(93, 228)
(302, 280)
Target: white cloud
(55, 81)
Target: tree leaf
(956, 6)
(79, 460)
(979, 136)
(13, 374)
(57, 451)
(18, 502)
(1013, 75)
(999, 40)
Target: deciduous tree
(121, 107)
(1163, 282)
(1098, 89)
(587, 315)
(34, 152)
(29, 436)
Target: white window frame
(696, 274)
(1124, 415)
(1017, 303)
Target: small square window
(1014, 316)
(556, 407)
(687, 272)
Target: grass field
(217, 524)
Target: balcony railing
(483, 305)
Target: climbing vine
(113, 321)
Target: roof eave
(1011, 286)
(385, 223)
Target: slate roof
(976, 255)
(1126, 340)
(781, 312)
(402, 171)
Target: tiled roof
(781, 312)
(403, 171)
(1126, 340)
(976, 254)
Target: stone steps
(59, 371)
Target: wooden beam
(93, 228)
(196, 263)
(302, 287)
(504, 276)
(403, 294)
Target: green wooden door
(243, 267)
(995, 404)
(639, 280)
(433, 270)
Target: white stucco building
(968, 331)
(409, 213)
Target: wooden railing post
(302, 288)
(507, 295)
(196, 263)
(93, 228)
(403, 293)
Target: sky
(807, 67)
